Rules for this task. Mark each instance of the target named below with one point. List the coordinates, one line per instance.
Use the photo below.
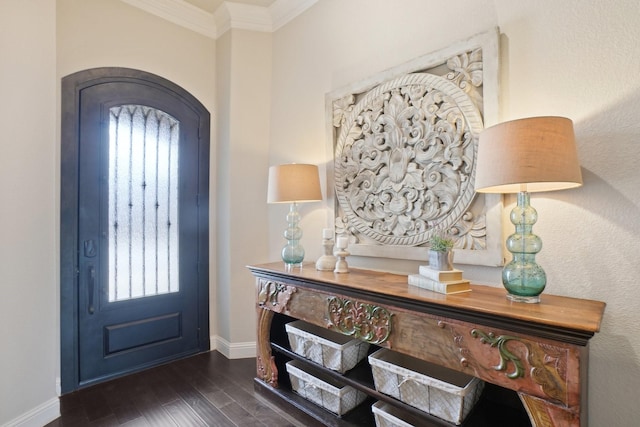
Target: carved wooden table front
(538, 350)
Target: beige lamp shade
(294, 183)
(532, 154)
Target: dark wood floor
(203, 390)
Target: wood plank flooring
(203, 390)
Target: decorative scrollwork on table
(550, 371)
(506, 356)
(368, 322)
(275, 294)
(458, 339)
(266, 366)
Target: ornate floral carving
(556, 357)
(404, 160)
(404, 145)
(506, 356)
(341, 107)
(549, 369)
(470, 232)
(458, 339)
(267, 370)
(466, 73)
(547, 364)
(274, 294)
(359, 320)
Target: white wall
(244, 77)
(571, 58)
(28, 211)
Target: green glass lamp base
(293, 252)
(523, 278)
(293, 255)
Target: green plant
(440, 242)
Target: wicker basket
(389, 416)
(442, 392)
(322, 390)
(327, 348)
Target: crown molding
(284, 11)
(181, 13)
(229, 15)
(242, 16)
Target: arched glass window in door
(143, 202)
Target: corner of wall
(242, 350)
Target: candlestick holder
(341, 254)
(326, 262)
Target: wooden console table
(537, 352)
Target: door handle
(90, 250)
(92, 284)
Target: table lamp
(293, 183)
(523, 156)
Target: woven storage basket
(389, 416)
(327, 348)
(442, 392)
(322, 390)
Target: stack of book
(444, 282)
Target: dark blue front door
(141, 228)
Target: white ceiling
(212, 5)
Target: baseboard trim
(38, 416)
(240, 350)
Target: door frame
(72, 85)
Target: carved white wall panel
(404, 144)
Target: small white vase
(441, 261)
